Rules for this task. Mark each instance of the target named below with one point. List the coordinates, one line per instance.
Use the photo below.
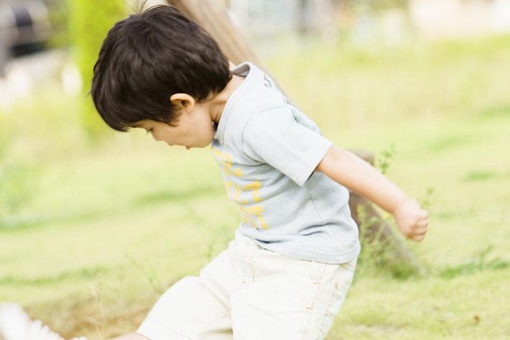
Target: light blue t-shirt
(268, 151)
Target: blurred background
(95, 224)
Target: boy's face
(191, 129)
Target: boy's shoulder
(257, 104)
(258, 93)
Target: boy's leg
(188, 310)
(289, 298)
(195, 307)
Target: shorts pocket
(315, 270)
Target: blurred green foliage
(17, 189)
(17, 180)
(58, 16)
(89, 22)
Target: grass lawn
(107, 228)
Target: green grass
(108, 226)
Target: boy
(286, 274)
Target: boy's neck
(218, 102)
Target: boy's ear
(183, 101)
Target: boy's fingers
(423, 217)
(419, 235)
(419, 238)
(423, 223)
(417, 232)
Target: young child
(286, 274)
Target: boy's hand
(412, 220)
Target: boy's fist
(412, 220)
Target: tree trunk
(213, 17)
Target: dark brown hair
(147, 58)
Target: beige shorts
(248, 292)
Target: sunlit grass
(106, 227)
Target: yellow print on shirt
(253, 214)
(254, 186)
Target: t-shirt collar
(249, 71)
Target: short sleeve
(278, 138)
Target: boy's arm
(360, 177)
